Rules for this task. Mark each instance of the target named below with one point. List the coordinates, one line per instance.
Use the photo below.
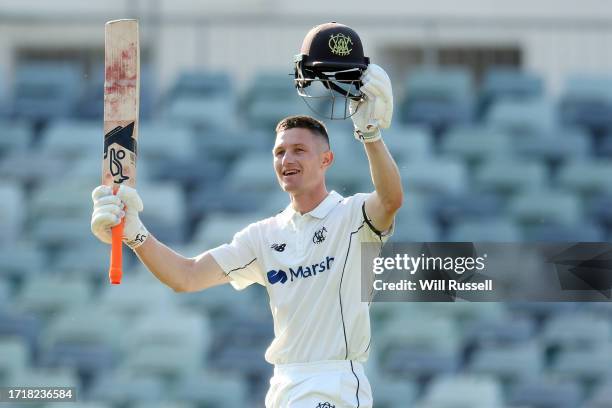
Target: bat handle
(116, 270)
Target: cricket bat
(121, 100)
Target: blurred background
(502, 132)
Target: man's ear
(328, 158)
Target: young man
(307, 257)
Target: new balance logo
(278, 247)
(301, 272)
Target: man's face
(300, 160)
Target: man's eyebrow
(291, 145)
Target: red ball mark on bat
(121, 75)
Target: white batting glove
(108, 209)
(375, 111)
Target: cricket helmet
(329, 68)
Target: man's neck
(303, 203)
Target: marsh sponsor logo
(300, 272)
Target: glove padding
(108, 209)
(374, 112)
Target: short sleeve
(238, 259)
(368, 232)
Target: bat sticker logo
(123, 137)
(116, 168)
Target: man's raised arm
(369, 116)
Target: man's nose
(288, 158)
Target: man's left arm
(383, 203)
(369, 117)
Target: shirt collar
(319, 211)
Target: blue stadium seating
(587, 101)
(45, 91)
(438, 98)
(508, 82)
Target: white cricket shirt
(310, 266)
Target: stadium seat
(580, 232)
(408, 143)
(69, 198)
(12, 211)
(271, 97)
(436, 175)
(605, 147)
(202, 98)
(87, 325)
(602, 395)
(154, 146)
(491, 230)
(438, 97)
(47, 295)
(428, 349)
(71, 139)
(501, 82)
(586, 177)
(122, 387)
(4, 293)
(213, 199)
(600, 209)
(46, 90)
(462, 391)
(219, 228)
(576, 330)
(473, 144)
(214, 389)
(506, 175)
(591, 364)
(562, 145)
(62, 232)
(253, 172)
(15, 135)
(27, 327)
(71, 262)
(523, 118)
(587, 101)
(546, 393)
(48, 167)
(170, 326)
(544, 207)
(508, 363)
(504, 330)
(391, 392)
(410, 229)
(450, 208)
(165, 361)
(135, 296)
(217, 300)
(348, 172)
(86, 339)
(14, 357)
(164, 210)
(41, 377)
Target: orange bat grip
(115, 271)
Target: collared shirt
(310, 266)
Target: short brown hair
(304, 122)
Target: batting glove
(108, 209)
(374, 112)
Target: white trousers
(325, 384)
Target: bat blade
(121, 108)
